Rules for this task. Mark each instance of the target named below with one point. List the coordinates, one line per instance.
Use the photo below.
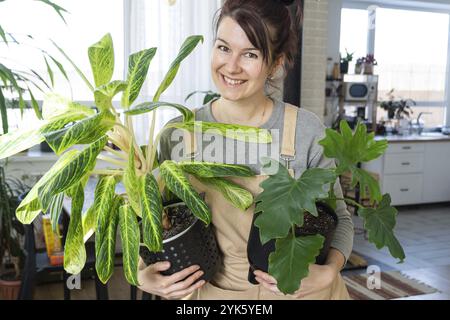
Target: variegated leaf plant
(66, 124)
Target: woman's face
(238, 69)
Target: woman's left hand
(320, 277)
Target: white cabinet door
(437, 172)
(403, 188)
(396, 163)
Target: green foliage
(65, 124)
(380, 223)
(285, 201)
(350, 149)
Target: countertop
(424, 137)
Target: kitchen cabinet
(414, 172)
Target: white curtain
(165, 24)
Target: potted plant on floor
(66, 124)
(295, 219)
(12, 254)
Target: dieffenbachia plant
(285, 201)
(66, 124)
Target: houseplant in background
(19, 82)
(345, 60)
(398, 110)
(12, 254)
(359, 65)
(369, 63)
(66, 124)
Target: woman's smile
(230, 82)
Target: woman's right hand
(175, 286)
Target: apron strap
(190, 143)
(288, 140)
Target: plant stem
(117, 153)
(350, 201)
(107, 172)
(112, 161)
(151, 147)
(128, 132)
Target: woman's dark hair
(268, 25)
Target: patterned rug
(393, 285)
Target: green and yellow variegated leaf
(74, 250)
(73, 189)
(186, 48)
(30, 206)
(151, 213)
(104, 94)
(101, 57)
(55, 105)
(82, 132)
(230, 131)
(131, 183)
(290, 261)
(55, 209)
(238, 196)
(73, 170)
(177, 182)
(129, 234)
(106, 250)
(215, 170)
(89, 221)
(104, 195)
(17, 141)
(145, 107)
(138, 64)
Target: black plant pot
(258, 254)
(344, 67)
(196, 245)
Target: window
(354, 33)
(87, 22)
(411, 48)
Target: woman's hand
(175, 286)
(319, 278)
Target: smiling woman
(253, 40)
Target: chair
(37, 264)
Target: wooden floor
(423, 231)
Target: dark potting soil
(10, 276)
(317, 225)
(180, 218)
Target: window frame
(412, 6)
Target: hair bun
(285, 2)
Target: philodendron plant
(285, 201)
(66, 124)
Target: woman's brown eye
(222, 48)
(252, 55)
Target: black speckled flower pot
(196, 245)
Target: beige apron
(232, 228)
